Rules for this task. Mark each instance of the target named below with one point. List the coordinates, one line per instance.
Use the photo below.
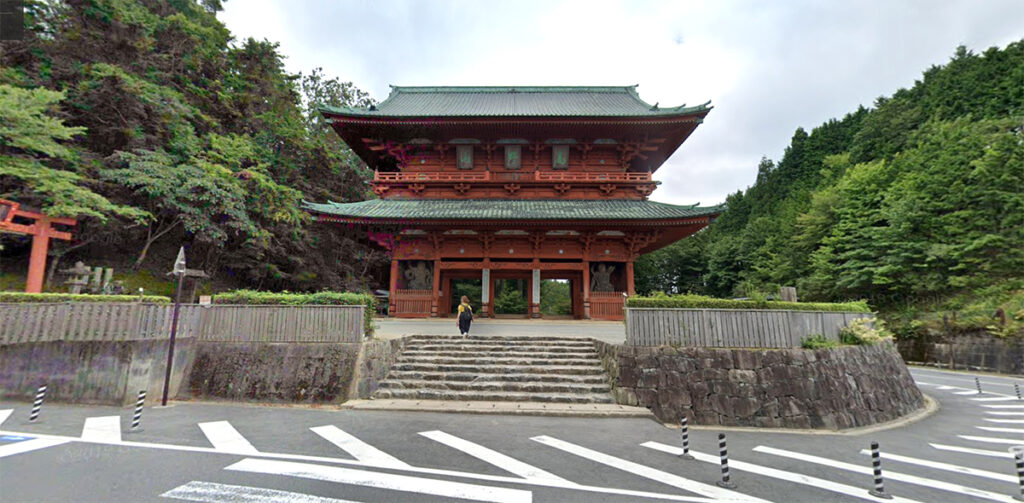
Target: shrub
(818, 341)
(255, 297)
(689, 301)
(863, 331)
(21, 297)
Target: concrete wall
(105, 372)
(981, 351)
(791, 388)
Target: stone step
(496, 360)
(500, 369)
(492, 396)
(508, 341)
(477, 377)
(489, 348)
(482, 386)
(511, 353)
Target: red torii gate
(41, 228)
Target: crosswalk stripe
(968, 392)
(707, 490)
(948, 387)
(211, 492)
(29, 445)
(1004, 413)
(495, 458)
(1005, 421)
(969, 450)
(922, 383)
(4, 414)
(890, 475)
(1004, 406)
(379, 480)
(994, 440)
(1005, 398)
(946, 467)
(225, 437)
(743, 466)
(102, 429)
(357, 448)
(1001, 430)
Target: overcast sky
(767, 67)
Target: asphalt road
(218, 452)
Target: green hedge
(79, 297)
(702, 302)
(255, 297)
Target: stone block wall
(837, 388)
(273, 372)
(981, 351)
(375, 360)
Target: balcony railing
(525, 176)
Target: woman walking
(465, 316)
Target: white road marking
(946, 467)
(1004, 406)
(495, 458)
(225, 438)
(922, 383)
(948, 387)
(707, 490)
(1006, 398)
(962, 377)
(429, 471)
(1002, 413)
(105, 428)
(1001, 430)
(358, 449)
(379, 480)
(28, 446)
(210, 492)
(994, 440)
(968, 450)
(743, 466)
(889, 474)
(1005, 421)
(4, 414)
(968, 392)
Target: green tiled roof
(551, 101)
(510, 209)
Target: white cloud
(769, 67)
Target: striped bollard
(686, 439)
(138, 410)
(1018, 456)
(977, 384)
(723, 452)
(876, 463)
(38, 404)
(1016, 387)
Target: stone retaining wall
(837, 388)
(375, 360)
(983, 352)
(273, 372)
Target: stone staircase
(517, 369)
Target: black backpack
(466, 314)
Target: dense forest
(916, 205)
(152, 125)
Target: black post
(170, 344)
(1016, 387)
(686, 438)
(977, 383)
(1018, 457)
(876, 465)
(723, 453)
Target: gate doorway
(561, 294)
(511, 297)
(472, 288)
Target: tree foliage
(915, 202)
(150, 122)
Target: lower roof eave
(412, 222)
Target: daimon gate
(492, 190)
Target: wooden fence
(736, 328)
(607, 305)
(88, 321)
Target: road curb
(502, 408)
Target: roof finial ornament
(655, 107)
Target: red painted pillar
(435, 296)
(392, 287)
(630, 290)
(586, 290)
(37, 258)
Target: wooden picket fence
(734, 328)
(86, 321)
